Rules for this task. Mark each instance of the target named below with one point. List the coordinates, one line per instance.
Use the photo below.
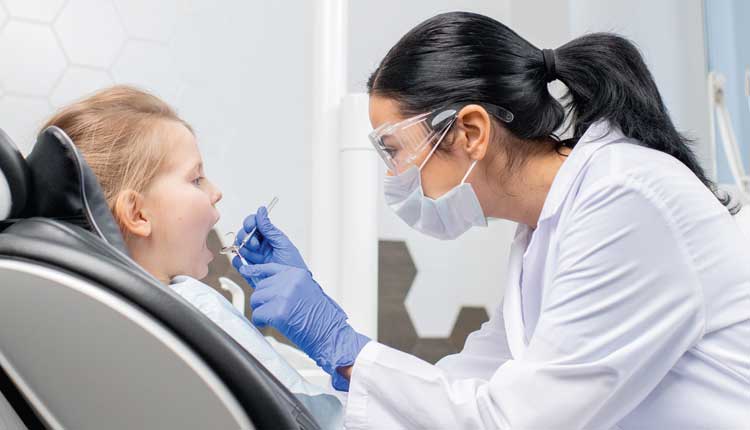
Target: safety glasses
(402, 143)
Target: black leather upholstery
(16, 173)
(72, 249)
(65, 188)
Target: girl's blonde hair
(117, 131)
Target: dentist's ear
(130, 214)
(472, 131)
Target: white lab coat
(628, 307)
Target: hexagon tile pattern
(396, 272)
(150, 66)
(148, 19)
(77, 82)
(41, 59)
(39, 10)
(90, 32)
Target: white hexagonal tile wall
(41, 10)
(21, 118)
(78, 82)
(30, 58)
(147, 19)
(469, 271)
(449, 279)
(90, 32)
(148, 65)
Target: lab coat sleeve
(484, 351)
(622, 308)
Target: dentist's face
(179, 206)
(445, 168)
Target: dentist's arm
(287, 298)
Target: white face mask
(446, 217)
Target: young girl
(151, 171)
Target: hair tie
(550, 74)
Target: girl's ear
(131, 215)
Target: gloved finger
(269, 231)
(261, 297)
(249, 223)
(252, 244)
(238, 265)
(262, 271)
(266, 248)
(253, 257)
(264, 315)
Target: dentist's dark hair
(462, 57)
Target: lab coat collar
(512, 310)
(596, 136)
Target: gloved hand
(268, 244)
(288, 299)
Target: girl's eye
(197, 181)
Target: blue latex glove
(288, 299)
(268, 244)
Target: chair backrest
(86, 358)
(14, 179)
(63, 187)
(9, 419)
(90, 340)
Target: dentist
(628, 300)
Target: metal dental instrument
(235, 249)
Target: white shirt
(325, 407)
(628, 307)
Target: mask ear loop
(439, 141)
(468, 172)
(429, 155)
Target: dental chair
(88, 340)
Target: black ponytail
(608, 79)
(464, 57)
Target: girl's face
(178, 210)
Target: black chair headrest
(14, 179)
(64, 188)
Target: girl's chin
(200, 271)
(209, 255)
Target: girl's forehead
(180, 145)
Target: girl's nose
(216, 194)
